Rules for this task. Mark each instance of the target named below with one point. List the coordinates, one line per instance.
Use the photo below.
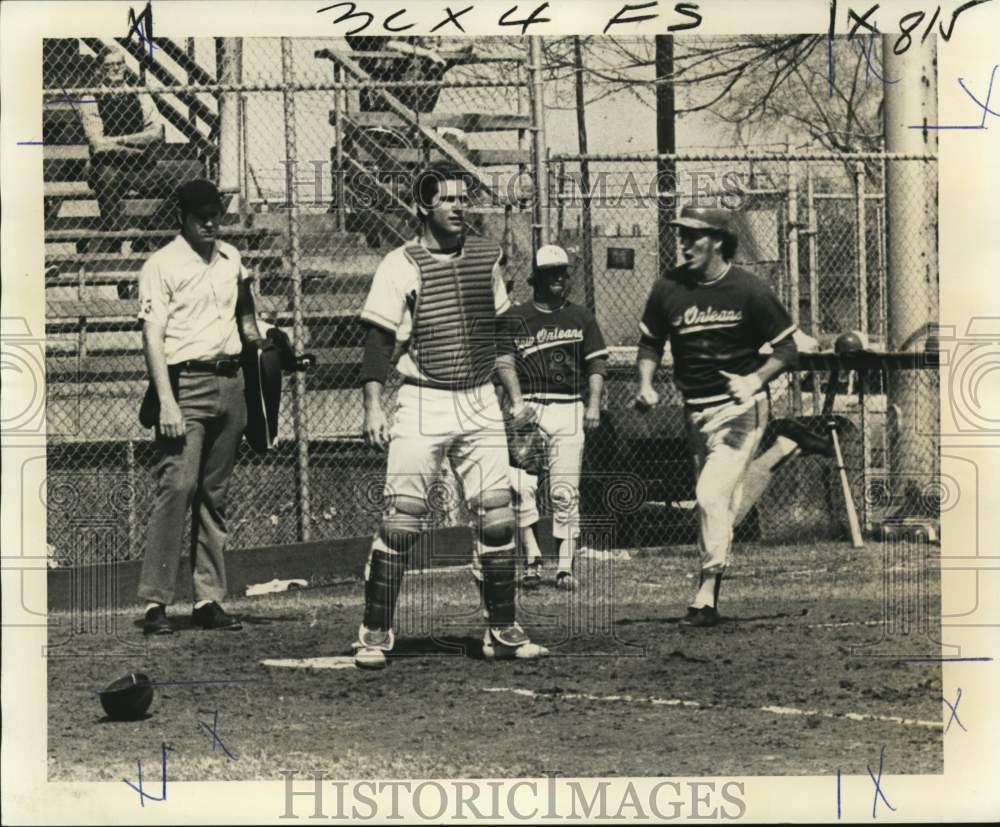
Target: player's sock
(154, 606)
(499, 587)
(708, 591)
(566, 555)
(532, 553)
(382, 582)
(201, 603)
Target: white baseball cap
(551, 255)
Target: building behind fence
(315, 143)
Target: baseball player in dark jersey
(436, 299)
(560, 350)
(717, 317)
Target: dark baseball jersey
(713, 327)
(554, 348)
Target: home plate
(336, 662)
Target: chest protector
(121, 114)
(454, 321)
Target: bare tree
(829, 92)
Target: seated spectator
(123, 131)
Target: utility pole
(666, 144)
(912, 266)
(587, 240)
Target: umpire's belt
(552, 400)
(220, 367)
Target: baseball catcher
(439, 296)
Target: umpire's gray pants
(193, 473)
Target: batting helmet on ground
(128, 698)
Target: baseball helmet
(128, 698)
(851, 342)
(704, 218)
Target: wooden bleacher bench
(239, 234)
(135, 260)
(68, 161)
(466, 121)
(480, 157)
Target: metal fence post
(561, 200)
(541, 204)
(339, 107)
(813, 261)
(130, 487)
(793, 273)
(229, 124)
(299, 411)
(862, 246)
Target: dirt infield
(774, 690)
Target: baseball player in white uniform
(560, 348)
(434, 302)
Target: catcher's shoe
(512, 642)
(532, 578)
(566, 581)
(371, 646)
(703, 617)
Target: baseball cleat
(532, 578)
(809, 442)
(703, 617)
(371, 646)
(565, 581)
(509, 643)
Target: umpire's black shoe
(213, 616)
(809, 442)
(705, 616)
(156, 623)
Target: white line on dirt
(336, 662)
(775, 710)
(797, 626)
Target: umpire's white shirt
(194, 301)
(398, 279)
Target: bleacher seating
(93, 337)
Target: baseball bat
(845, 486)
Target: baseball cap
(192, 195)
(550, 256)
(703, 218)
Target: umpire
(195, 302)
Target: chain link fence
(314, 143)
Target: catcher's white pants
(562, 423)
(723, 440)
(431, 425)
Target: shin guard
(384, 576)
(499, 588)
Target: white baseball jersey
(195, 302)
